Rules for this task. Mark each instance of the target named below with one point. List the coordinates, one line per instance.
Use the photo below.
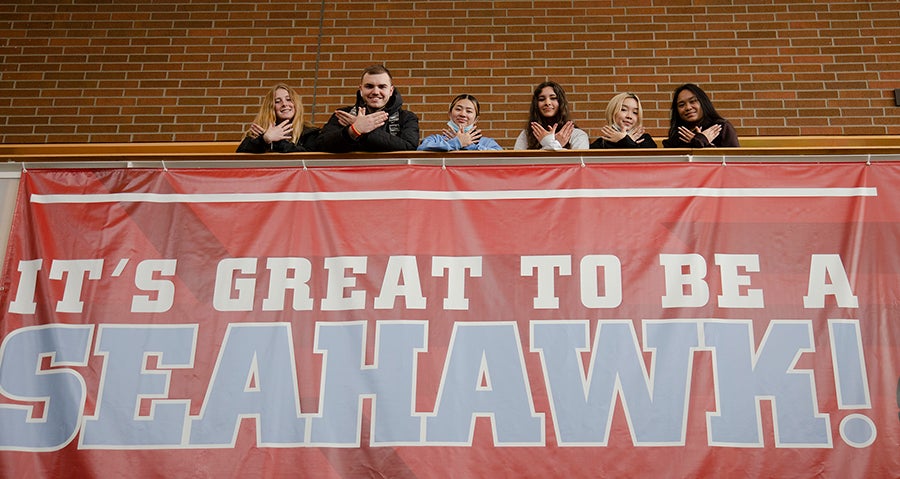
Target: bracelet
(355, 131)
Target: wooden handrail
(750, 145)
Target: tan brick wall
(194, 70)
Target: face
(688, 106)
(376, 90)
(547, 102)
(284, 106)
(463, 113)
(627, 116)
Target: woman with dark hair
(549, 126)
(279, 125)
(695, 122)
(461, 132)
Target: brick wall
(194, 70)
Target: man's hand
(363, 123)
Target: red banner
(662, 320)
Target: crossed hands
(465, 138)
(710, 133)
(613, 135)
(275, 132)
(362, 122)
(562, 136)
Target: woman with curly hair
(549, 125)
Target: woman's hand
(636, 134)
(565, 133)
(465, 138)
(281, 131)
(611, 135)
(712, 132)
(540, 132)
(686, 135)
(256, 131)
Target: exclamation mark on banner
(851, 382)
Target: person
(376, 122)
(549, 126)
(624, 128)
(461, 132)
(280, 125)
(695, 123)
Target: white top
(579, 141)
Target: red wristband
(355, 131)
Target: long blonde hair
(266, 116)
(615, 105)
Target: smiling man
(376, 122)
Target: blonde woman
(624, 129)
(279, 126)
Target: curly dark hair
(534, 113)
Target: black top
(400, 132)
(308, 141)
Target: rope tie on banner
(303, 162)
(24, 170)
(581, 159)
(443, 162)
(869, 159)
(723, 161)
(164, 165)
(690, 158)
(129, 164)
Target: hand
(364, 123)
(540, 132)
(686, 135)
(565, 133)
(611, 135)
(344, 118)
(466, 138)
(712, 132)
(256, 131)
(281, 131)
(448, 134)
(637, 133)
(470, 137)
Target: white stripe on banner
(456, 195)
